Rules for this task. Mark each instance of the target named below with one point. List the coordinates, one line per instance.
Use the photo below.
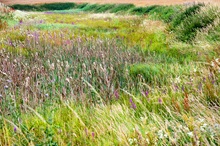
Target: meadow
(109, 74)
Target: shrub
(57, 6)
(122, 8)
(189, 27)
(165, 13)
(25, 7)
(147, 71)
(81, 6)
(104, 8)
(90, 7)
(143, 10)
(187, 13)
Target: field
(109, 74)
(136, 2)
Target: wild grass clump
(57, 6)
(104, 8)
(121, 8)
(189, 27)
(165, 13)
(44, 7)
(90, 7)
(186, 13)
(81, 6)
(25, 7)
(142, 10)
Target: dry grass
(136, 2)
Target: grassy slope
(105, 79)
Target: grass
(70, 77)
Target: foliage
(190, 11)
(122, 8)
(25, 7)
(188, 28)
(57, 6)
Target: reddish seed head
(160, 101)
(93, 134)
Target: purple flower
(15, 129)
(145, 93)
(6, 87)
(133, 105)
(116, 94)
(73, 23)
(93, 134)
(160, 101)
(183, 89)
(21, 21)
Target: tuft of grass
(121, 8)
(57, 6)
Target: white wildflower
(177, 80)
(131, 141)
(68, 80)
(190, 134)
(147, 140)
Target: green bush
(25, 7)
(189, 27)
(165, 13)
(57, 6)
(142, 10)
(81, 6)
(122, 8)
(90, 7)
(187, 13)
(148, 71)
(104, 8)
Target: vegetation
(83, 77)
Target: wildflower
(145, 93)
(147, 140)
(133, 105)
(93, 134)
(190, 134)
(9, 81)
(47, 95)
(160, 101)
(68, 80)
(131, 141)
(161, 134)
(15, 129)
(116, 94)
(203, 127)
(177, 80)
(21, 21)
(6, 87)
(212, 64)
